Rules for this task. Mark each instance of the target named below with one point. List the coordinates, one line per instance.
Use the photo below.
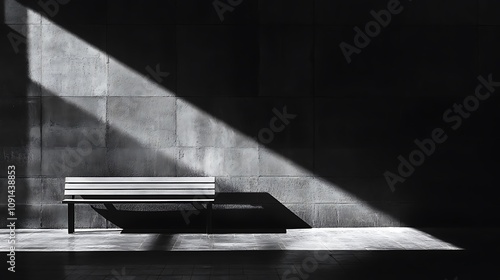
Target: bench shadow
(236, 212)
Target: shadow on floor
(232, 213)
(269, 265)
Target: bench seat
(109, 190)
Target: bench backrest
(143, 187)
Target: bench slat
(78, 200)
(95, 180)
(139, 192)
(138, 186)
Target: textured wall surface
(170, 88)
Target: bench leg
(71, 218)
(209, 217)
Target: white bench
(109, 190)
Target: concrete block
(151, 71)
(52, 190)
(356, 215)
(28, 216)
(147, 122)
(28, 191)
(63, 162)
(72, 66)
(74, 122)
(285, 61)
(328, 190)
(20, 122)
(286, 12)
(204, 12)
(71, 77)
(198, 128)
(236, 184)
(27, 160)
(201, 162)
(326, 215)
(21, 57)
(389, 216)
(303, 211)
(290, 162)
(71, 112)
(218, 162)
(54, 216)
(86, 217)
(145, 12)
(141, 162)
(241, 162)
(17, 13)
(219, 68)
(86, 138)
(73, 13)
(126, 81)
(353, 162)
(352, 190)
(288, 189)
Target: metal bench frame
(109, 190)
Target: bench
(109, 190)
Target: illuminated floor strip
(334, 239)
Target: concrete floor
(335, 253)
(50, 240)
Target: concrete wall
(78, 99)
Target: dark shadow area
(19, 117)
(233, 213)
(433, 265)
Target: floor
(347, 253)
(51, 240)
